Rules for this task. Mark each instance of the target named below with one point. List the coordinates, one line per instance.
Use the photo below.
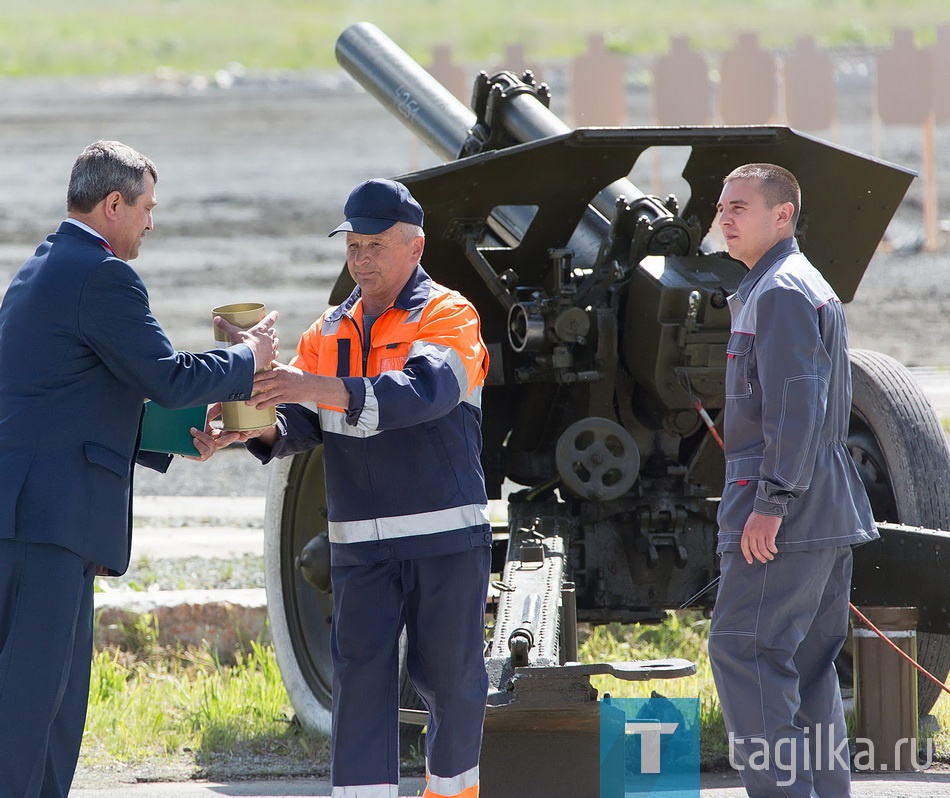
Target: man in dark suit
(79, 352)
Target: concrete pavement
(198, 526)
(170, 527)
(713, 785)
(245, 789)
(935, 383)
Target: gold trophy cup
(237, 416)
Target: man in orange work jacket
(390, 382)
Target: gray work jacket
(788, 403)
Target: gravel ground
(190, 573)
(232, 472)
(253, 177)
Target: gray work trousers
(776, 630)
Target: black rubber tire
(901, 451)
(299, 614)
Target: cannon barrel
(381, 67)
(509, 108)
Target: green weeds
(151, 705)
(681, 635)
(685, 635)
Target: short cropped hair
(778, 184)
(104, 167)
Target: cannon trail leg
(542, 723)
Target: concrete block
(228, 620)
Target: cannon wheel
(299, 614)
(901, 453)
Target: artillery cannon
(605, 312)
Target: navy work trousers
(440, 601)
(776, 630)
(46, 609)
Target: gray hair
(104, 167)
(410, 231)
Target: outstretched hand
(261, 338)
(212, 439)
(289, 384)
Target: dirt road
(251, 180)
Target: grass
(685, 635)
(148, 705)
(681, 635)
(58, 37)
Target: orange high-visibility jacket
(403, 470)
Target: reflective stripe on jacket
(788, 406)
(402, 462)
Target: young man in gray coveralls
(792, 507)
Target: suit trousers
(776, 630)
(440, 601)
(46, 613)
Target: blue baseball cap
(376, 205)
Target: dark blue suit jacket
(79, 353)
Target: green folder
(165, 430)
